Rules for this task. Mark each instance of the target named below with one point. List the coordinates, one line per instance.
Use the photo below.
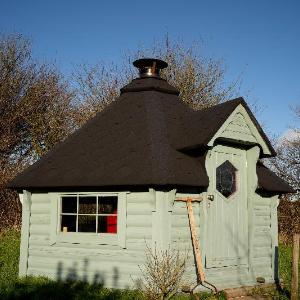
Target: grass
(9, 257)
(31, 288)
(285, 261)
(36, 288)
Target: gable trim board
(239, 126)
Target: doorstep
(242, 293)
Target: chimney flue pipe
(150, 67)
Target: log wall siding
(181, 234)
(117, 267)
(110, 265)
(261, 244)
(262, 241)
(153, 218)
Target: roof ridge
(236, 101)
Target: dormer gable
(242, 127)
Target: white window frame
(118, 239)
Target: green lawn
(42, 288)
(9, 257)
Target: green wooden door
(227, 217)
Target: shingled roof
(139, 140)
(269, 181)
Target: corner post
(24, 246)
(274, 236)
(252, 183)
(54, 200)
(122, 219)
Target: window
(226, 179)
(89, 214)
(89, 218)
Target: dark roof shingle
(269, 181)
(136, 141)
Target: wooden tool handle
(195, 241)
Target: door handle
(210, 197)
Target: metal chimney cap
(149, 67)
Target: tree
(95, 88)
(200, 80)
(38, 107)
(35, 110)
(287, 166)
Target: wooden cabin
(93, 202)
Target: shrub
(162, 273)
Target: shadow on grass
(42, 288)
(284, 293)
(34, 288)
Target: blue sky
(260, 39)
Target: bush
(10, 209)
(288, 219)
(162, 273)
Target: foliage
(162, 273)
(287, 166)
(34, 102)
(199, 79)
(95, 88)
(35, 105)
(10, 209)
(287, 162)
(288, 219)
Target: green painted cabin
(92, 204)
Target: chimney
(150, 67)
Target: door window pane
(226, 179)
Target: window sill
(87, 238)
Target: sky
(258, 40)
